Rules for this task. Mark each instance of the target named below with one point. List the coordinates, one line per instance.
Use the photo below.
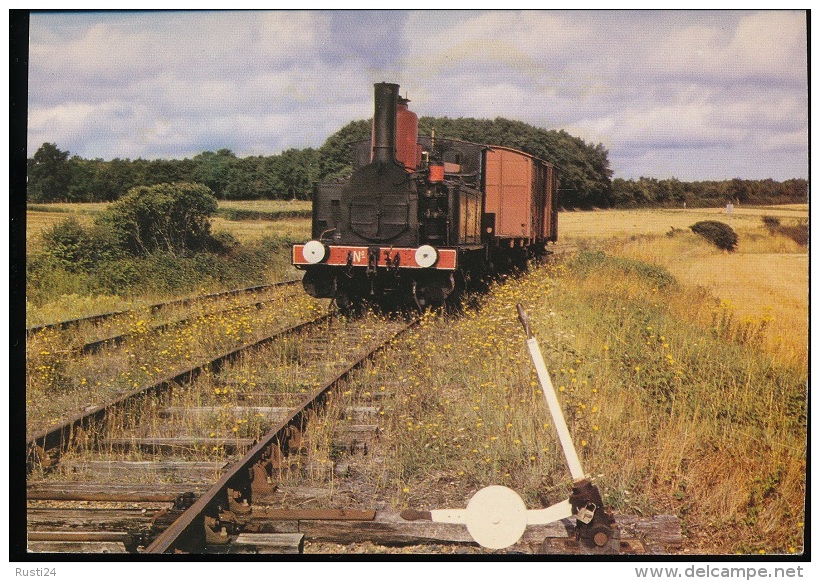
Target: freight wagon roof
(488, 146)
(524, 153)
(361, 142)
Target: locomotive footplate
(316, 253)
(418, 277)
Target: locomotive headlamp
(426, 256)
(314, 252)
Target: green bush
(720, 234)
(171, 218)
(222, 242)
(85, 262)
(69, 244)
(118, 277)
(75, 248)
(48, 277)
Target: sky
(695, 95)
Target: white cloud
(69, 120)
(654, 86)
(760, 46)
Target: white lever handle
(555, 409)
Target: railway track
(93, 320)
(157, 470)
(272, 447)
(114, 340)
(74, 370)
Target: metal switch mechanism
(496, 516)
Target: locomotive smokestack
(384, 122)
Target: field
(43, 216)
(683, 371)
(766, 276)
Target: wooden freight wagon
(521, 202)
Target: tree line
(56, 176)
(651, 192)
(584, 172)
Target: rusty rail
(58, 438)
(62, 325)
(188, 533)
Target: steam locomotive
(421, 217)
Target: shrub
(48, 277)
(222, 243)
(171, 218)
(118, 277)
(772, 223)
(651, 275)
(69, 244)
(720, 234)
(799, 232)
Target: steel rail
(155, 307)
(60, 437)
(94, 346)
(187, 533)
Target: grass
(248, 231)
(675, 416)
(253, 220)
(267, 206)
(247, 221)
(56, 290)
(766, 277)
(605, 224)
(682, 372)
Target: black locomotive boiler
(420, 217)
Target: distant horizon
(692, 95)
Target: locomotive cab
(369, 235)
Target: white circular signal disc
(426, 256)
(496, 517)
(314, 252)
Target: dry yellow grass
(250, 230)
(602, 224)
(39, 222)
(266, 205)
(766, 276)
